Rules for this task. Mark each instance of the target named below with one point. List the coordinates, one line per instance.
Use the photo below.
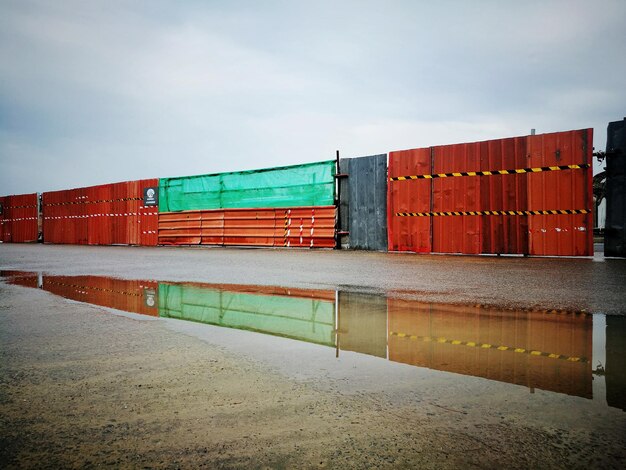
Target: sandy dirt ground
(81, 387)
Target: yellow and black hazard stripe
(473, 344)
(452, 213)
(515, 171)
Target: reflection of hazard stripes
(449, 213)
(492, 172)
(98, 289)
(472, 344)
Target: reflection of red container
(133, 296)
(537, 185)
(550, 351)
(311, 227)
(19, 218)
(108, 214)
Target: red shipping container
(19, 218)
(484, 197)
(562, 234)
(109, 214)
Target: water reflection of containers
(119, 294)
(550, 351)
(302, 315)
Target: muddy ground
(83, 387)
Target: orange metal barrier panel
(312, 227)
(551, 351)
(19, 218)
(108, 214)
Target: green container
(311, 184)
(307, 320)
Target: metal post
(338, 204)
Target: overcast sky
(103, 91)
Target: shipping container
(108, 214)
(523, 195)
(615, 222)
(19, 218)
(363, 202)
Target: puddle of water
(363, 341)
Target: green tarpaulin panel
(311, 184)
(307, 320)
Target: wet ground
(590, 284)
(175, 358)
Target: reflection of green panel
(312, 184)
(303, 319)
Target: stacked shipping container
(523, 195)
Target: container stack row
(529, 195)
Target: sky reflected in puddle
(569, 353)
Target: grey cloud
(95, 92)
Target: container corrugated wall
(19, 218)
(364, 201)
(251, 208)
(409, 233)
(108, 214)
(561, 234)
(524, 195)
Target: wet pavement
(594, 285)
